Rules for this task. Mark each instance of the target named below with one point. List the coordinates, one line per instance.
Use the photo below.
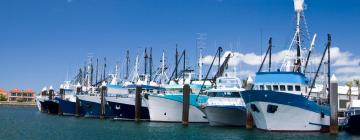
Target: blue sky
(42, 40)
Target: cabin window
(297, 88)
(233, 94)
(342, 103)
(282, 88)
(268, 87)
(275, 87)
(261, 87)
(290, 87)
(272, 108)
(254, 108)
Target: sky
(44, 42)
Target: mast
(150, 65)
(176, 62)
(127, 64)
(136, 71)
(92, 72)
(328, 66)
(162, 80)
(310, 50)
(299, 8)
(200, 64)
(184, 66)
(145, 59)
(97, 70)
(104, 75)
(270, 46)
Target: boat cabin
(289, 82)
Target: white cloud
(344, 65)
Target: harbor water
(18, 123)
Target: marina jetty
(295, 96)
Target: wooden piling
(102, 101)
(249, 119)
(43, 93)
(62, 94)
(138, 103)
(51, 93)
(333, 105)
(186, 104)
(77, 103)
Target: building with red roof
(4, 92)
(27, 95)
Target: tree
(2, 97)
(357, 83)
(349, 85)
(20, 99)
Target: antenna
(200, 43)
(296, 41)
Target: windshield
(224, 94)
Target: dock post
(62, 94)
(77, 103)
(333, 105)
(51, 95)
(43, 93)
(102, 100)
(249, 118)
(138, 103)
(186, 104)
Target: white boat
(279, 100)
(168, 108)
(40, 99)
(225, 106)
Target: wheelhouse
(289, 82)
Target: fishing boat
(353, 117)
(68, 102)
(90, 103)
(40, 100)
(225, 107)
(279, 100)
(123, 105)
(167, 107)
(50, 105)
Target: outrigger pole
(327, 49)
(268, 51)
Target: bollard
(186, 104)
(333, 105)
(62, 94)
(138, 103)
(77, 103)
(249, 118)
(43, 93)
(77, 107)
(51, 94)
(102, 100)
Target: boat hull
(226, 115)
(352, 125)
(168, 110)
(124, 108)
(90, 106)
(39, 104)
(50, 106)
(68, 107)
(276, 111)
